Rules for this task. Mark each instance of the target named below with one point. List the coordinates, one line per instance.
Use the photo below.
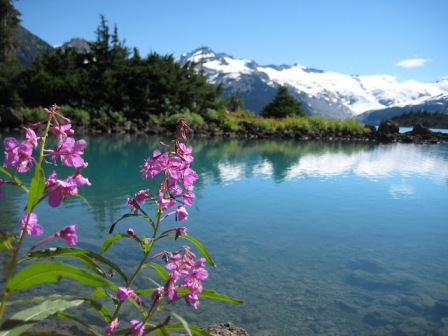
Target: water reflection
(316, 238)
(288, 160)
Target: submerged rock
(367, 265)
(225, 329)
(379, 281)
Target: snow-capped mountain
(324, 93)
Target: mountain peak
(323, 93)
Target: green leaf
(210, 294)
(39, 299)
(122, 217)
(87, 257)
(184, 323)
(74, 318)
(14, 178)
(43, 272)
(161, 271)
(110, 240)
(201, 248)
(5, 240)
(82, 198)
(25, 319)
(37, 188)
(98, 293)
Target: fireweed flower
(189, 176)
(61, 131)
(68, 234)
(179, 231)
(133, 205)
(166, 203)
(70, 152)
(137, 326)
(31, 136)
(157, 294)
(111, 328)
(188, 197)
(33, 228)
(142, 195)
(187, 270)
(58, 190)
(181, 213)
(18, 154)
(182, 128)
(154, 165)
(184, 152)
(123, 293)
(170, 288)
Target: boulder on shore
(10, 118)
(419, 129)
(388, 127)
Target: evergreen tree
(235, 101)
(9, 21)
(283, 105)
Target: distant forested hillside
(428, 119)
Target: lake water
(316, 238)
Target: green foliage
(110, 83)
(235, 102)
(78, 116)
(311, 126)
(428, 119)
(194, 120)
(32, 114)
(10, 19)
(283, 105)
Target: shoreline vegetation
(241, 124)
(107, 87)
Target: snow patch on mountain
(322, 92)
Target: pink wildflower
(68, 234)
(33, 228)
(58, 190)
(154, 165)
(111, 328)
(184, 152)
(70, 152)
(31, 136)
(61, 131)
(18, 154)
(137, 328)
(142, 195)
(123, 293)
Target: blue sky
(403, 38)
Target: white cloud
(413, 62)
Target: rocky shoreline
(387, 132)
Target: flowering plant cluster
(180, 277)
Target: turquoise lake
(316, 238)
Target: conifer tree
(283, 105)
(9, 21)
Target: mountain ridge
(329, 94)
(324, 93)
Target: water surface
(316, 238)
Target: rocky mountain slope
(329, 94)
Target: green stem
(11, 268)
(15, 253)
